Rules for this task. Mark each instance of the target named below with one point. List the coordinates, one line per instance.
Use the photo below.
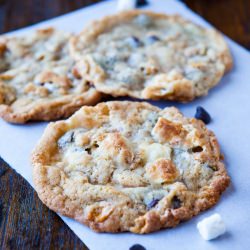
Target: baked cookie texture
(38, 79)
(128, 166)
(151, 56)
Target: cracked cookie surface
(38, 79)
(128, 166)
(151, 56)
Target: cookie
(151, 56)
(128, 166)
(38, 79)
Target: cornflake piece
(126, 5)
(211, 227)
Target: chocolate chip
(176, 202)
(71, 137)
(202, 114)
(197, 149)
(137, 247)
(152, 39)
(153, 203)
(89, 84)
(134, 42)
(88, 150)
(43, 83)
(141, 3)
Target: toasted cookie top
(38, 80)
(128, 166)
(151, 56)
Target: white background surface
(229, 106)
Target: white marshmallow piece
(123, 5)
(211, 227)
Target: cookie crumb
(211, 227)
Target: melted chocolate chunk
(89, 84)
(43, 83)
(197, 149)
(88, 150)
(91, 148)
(203, 115)
(176, 202)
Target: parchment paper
(229, 106)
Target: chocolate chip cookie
(38, 79)
(128, 166)
(151, 56)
